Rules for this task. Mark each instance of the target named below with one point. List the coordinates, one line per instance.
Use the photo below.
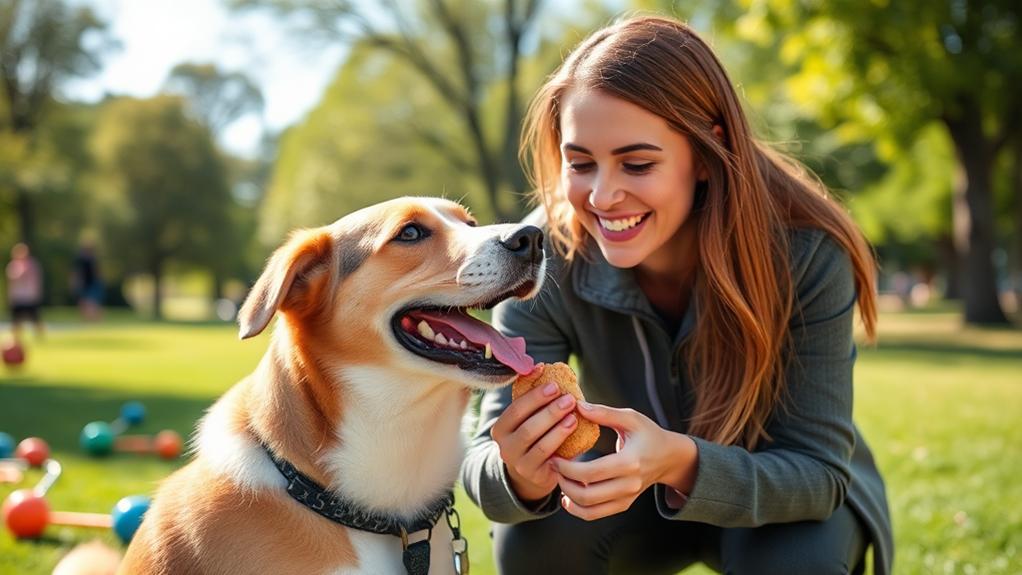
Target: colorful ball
(13, 354)
(127, 515)
(167, 444)
(133, 412)
(97, 438)
(33, 450)
(26, 514)
(6, 445)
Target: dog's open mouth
(450, 335)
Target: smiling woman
(707, 286)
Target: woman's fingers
(600, 469)
(522, 409)
(599, 511)
(547, 445)
(594, 494)
(544, 420)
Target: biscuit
(586, 432)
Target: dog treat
(587, 432)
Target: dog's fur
(339, 397)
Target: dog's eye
(411, 233)
(472, 223)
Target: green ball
(97, 438)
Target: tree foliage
(466, 51)
(893, 69)
(161, 193)
(216, 97)
(42, 44)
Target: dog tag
(460, 548)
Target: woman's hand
(646, 454)
(528, 432)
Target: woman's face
(629, 176)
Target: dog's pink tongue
(507, 350)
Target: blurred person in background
(24, 290)
(87, 283)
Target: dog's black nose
(526, 243)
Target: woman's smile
(622, 228)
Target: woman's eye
(580, 167)
(411, 233)
(638, 168)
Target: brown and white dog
(362, 389)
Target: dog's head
(392, 285)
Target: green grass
(940, 405)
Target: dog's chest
(381, 554)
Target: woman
(707, 287)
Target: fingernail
(565, 401)
(550, 389)
(585, 405)
(569, 421)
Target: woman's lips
(622, 235)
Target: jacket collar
(601, 284)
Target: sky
(155, 35)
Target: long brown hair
(753, 198)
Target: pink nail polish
(550, 389)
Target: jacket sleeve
(483, 473)
(803, 472)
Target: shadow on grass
(58, 413)
(941, 350)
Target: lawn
(940, 405)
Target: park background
(909, 111)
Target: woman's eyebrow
(568, 146)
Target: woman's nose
(605, 194)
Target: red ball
(26, 513)
(167, 444)
(13, 354)
(33, 450)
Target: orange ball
(33, 450)
(26, 513)
(167, 444)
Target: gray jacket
(816, 459)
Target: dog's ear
(294, 270)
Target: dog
(355, 410)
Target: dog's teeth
(488, 352)
(426, 331)
(455, 344)
(464, 345)
(441, 339)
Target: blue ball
(133, 412)
(128, 514)
(6, 445)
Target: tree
(161, 189)
(216, 99)
(42, 44)
(463, 49)
(356, 147)
(886, 70)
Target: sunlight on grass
(939, 405)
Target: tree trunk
(974, 225)
(951, 264)
(1017, 183)
(156, 269)
(26, 222)
(217, 289)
